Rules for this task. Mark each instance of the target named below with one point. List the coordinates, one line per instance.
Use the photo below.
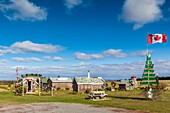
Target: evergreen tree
(148, 77)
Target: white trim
(148, 80)
(92, 83)
(148, 73)
(148, 77)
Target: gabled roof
(61, 79)
(127, 81)
(86, 80)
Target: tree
(148, 77)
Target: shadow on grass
(133, 98)
(87, 98)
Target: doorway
(29, 86)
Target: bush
(20, 89)
(9, 85)
(67, 88)
(157, 90)
(58, 88)
(87, 90)
(108, 89)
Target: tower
(148, 76)
(135, 81)
(88, 75)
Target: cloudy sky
(70, 37)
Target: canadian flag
(156, 38)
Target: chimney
(88, 74)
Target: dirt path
(60, 108)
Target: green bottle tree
(148, 76)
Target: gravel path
(60, 108)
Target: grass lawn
(131, 100)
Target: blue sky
(70, 37)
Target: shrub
(9, 84)
(157, 90)
(87, 90)
(67, 88)
(58, 88)
(20, 89)
(108, 89)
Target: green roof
(61, 79)
(86, 80)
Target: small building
(60, 83)
(125, 85)
(31, 82)
(44, 83)
(128, 84)
(82, 84)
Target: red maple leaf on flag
(157, 38)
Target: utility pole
(22, 86)
(39, 87)
(16, 85)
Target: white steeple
(88, 74)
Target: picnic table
(97, 94)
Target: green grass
(131, 100)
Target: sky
(69, 37)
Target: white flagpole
(147, 51)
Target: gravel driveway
(60, 108)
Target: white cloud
(1, 53)
(5, 50)
(28, 46)
(83, 56)
(22, 10)
(81, 64)
(112, 71)
(140, 53)
(115, 53)
(4, 61)
(47, 57)
(54, 67)
(161, 61)
(57, 58)
(141, 12)
(70, 4)
(31, 59)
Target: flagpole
(147, 51)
